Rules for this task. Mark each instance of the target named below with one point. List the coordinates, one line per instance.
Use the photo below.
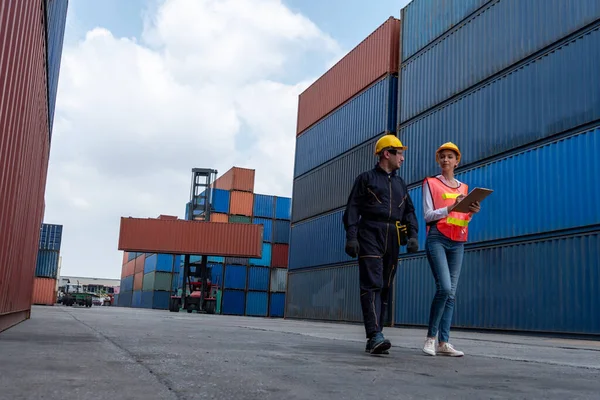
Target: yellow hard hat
(449, 146)
(388, 141)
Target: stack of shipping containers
(31, 36)
(515, 85)
(47, 267)
(340, 117)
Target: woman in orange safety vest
(446, 234)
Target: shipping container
(128, 269)
(264, 206)
(241, 203)
(236, 261)
(517, 179)
(140, 263)
(330, 294)
(220, 201)
(115, 300)
(216, 259)
(216, 273)
(531, 101)
(281, 232)
(136, 300)
(258, 278)
(127, 284)
(131, 256)
(161, 262)
(44, 291)
(279, 255)
(190, 237)
(157, 281)
(47, 264)
(368, 115)
(327, 187)
(24, 152)
(377, 55)
(138, 280)
(51, 237)
(283, 208)
(423, 21)
(240, 179)
(318, 242)
(541, 285)
(234, 302)
(268, 228)
(257, 304)
(265, 260)
(240, 219)
(217, 217)
(235, 277)
(278, 280)
(125, 299)
(483, 46)
(156, 300)
(56, 18)
(277, 305)
(125, 257)
(175, 283)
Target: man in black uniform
(379, 217)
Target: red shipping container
(138, 280)
(376, 56)
(279, 255)
(161, 216)
(24, 151)
(139, 263)
(191, 237)
(241, 203)
(44, 291)
(125, 257)
(241, 179)
(218, 217)
(128, 269)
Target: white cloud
(202, 87)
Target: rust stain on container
(373, 58)
(128, 269)
(190, 237)
(279, 255)
(241, 203)
(139, 263)
(24, 151)
(44, 291)
(138, 281)
(218, 217)
(236, 178)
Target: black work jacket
(379, 196)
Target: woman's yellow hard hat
(389, 141)
(449, 146)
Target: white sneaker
(448, 350)
(429, 347)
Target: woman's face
(447, 160)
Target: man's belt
(401, 230)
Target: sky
(150, 89)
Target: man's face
(395, 158)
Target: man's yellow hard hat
(389, 141)
(449, 146)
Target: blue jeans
(445, 260)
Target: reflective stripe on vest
(455, 225)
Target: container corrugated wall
(279, 255)
(125, 299)
(241, 203)
(257, 304)
(547, 285)
(268, 228)
(265, 260)
(218, 217)
(370, 114)
(220, 201)
(240, 219)
(56, 16)
(374, 57)
(258, 278)
(278, 280)
(24, 152)
(138, 281)
(44, 291)
(277, 305)
(324, 294)
(499, 35)
(241, 179)
(155, 300)
(136, 300)
(140, 263)
(281, 232)
(235, 276)
(283, 208)
(531, 101)
(264, 206)
(51, 237)
(234, 302)
(47, 264)
(127, 284)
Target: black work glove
(352, 248)
(413, 245)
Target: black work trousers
(377, 261)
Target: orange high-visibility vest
(456, 225)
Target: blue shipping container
(277, 305)
(264, 206)
(131, 256)
(147, 299)
(216, 273)
(216, 259)
(484, 46)
(233, 302)
(371, 113)
(330, 294)
(257, 304)
(220, 201)
(125, 299)
(423, 21)
(47, 264)
(161, 263)
(157, 300)
(136, 300)
(258, 278)
(547, 285)
(515, 179)
(51, 237)
(265, 260)
(268, 228)
(236, 260)
(327, 188)
(127, 284)
(531, 102)
(283, 208)
(235, 277)
(56, 16)
(281, 232)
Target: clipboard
(477, 194)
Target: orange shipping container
(139, 263)
(191, 237)
(241, 203)
(241, 179)
(128, 269)
(44, 291)
(374, 57)
(218, 217)
(125, 256)
(138, 280)
(279, 255)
